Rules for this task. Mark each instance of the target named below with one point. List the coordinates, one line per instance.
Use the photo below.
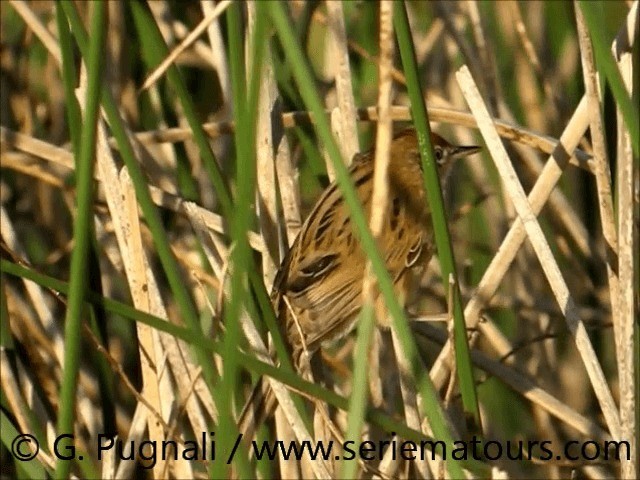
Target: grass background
(194, 142)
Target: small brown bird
(317, 293)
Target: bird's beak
(462, 151)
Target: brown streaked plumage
(317, 292)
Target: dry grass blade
(529, 390)
(379, 202)
(282, 393)
(347, 130)
(507, 131)
(500, 263)
(36, 26)
(186, 43)
(539, 242)
(267, 207)
(601, 171)
(217, 54)
(150, 349)
(16, 398)
(627, 250)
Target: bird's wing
(324, 291)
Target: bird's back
(318, 289)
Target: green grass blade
(82, 230)
(607, 64)
(434, 195)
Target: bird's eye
(439, 154)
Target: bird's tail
(259, 407)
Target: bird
(317, 291)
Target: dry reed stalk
(628, 242)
